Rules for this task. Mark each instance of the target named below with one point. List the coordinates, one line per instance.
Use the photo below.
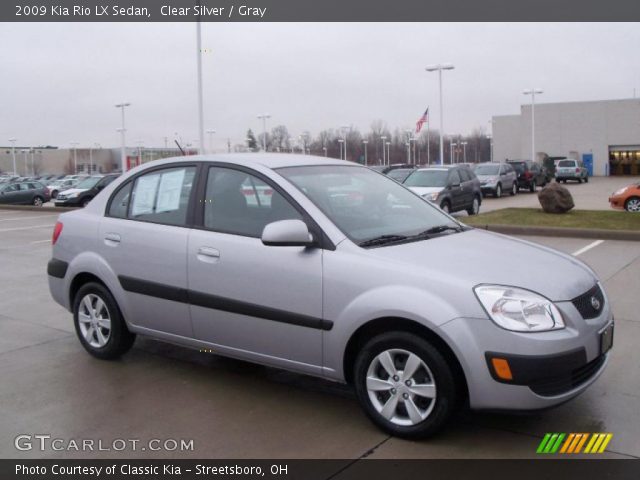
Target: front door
(247, 299)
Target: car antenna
(181, 150)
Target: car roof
(269, 160)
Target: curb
(37, 209)
(595, 233)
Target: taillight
(57, 230)
(527, 175)
(577, 170)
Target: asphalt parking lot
(233, 409)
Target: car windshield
(427, 178)
(399, 174)
(365, 205)
(566, 163)
(89, 182)
(487, 169)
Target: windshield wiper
(382, 240)
(440, 229)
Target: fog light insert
(501, 368)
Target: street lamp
(533, 92)
(341, 142)
(464, 150)
(345, 129)
(365, 142)
(439, 68)
(75, 157)
(409, 134)
(389, 152)
(123, 154)
(452, 144)
(264, 118)
(490, 138)
(13, 153)
(324, 149)
(210, 133)
(384, 148)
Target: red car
(627, 198)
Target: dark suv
(83, 192)
(452, 187)
(530, 174)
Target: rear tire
(410, 406)
(533, 186)
(99, 324)
(475, 206)
(586, 179)
(514, 189)
(38, 201)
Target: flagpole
(428, 142)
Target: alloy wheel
(401, 387)
(37, 202)
(94, 320)
(633, 205)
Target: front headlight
(518, 309)
(621, 191)
(73, 195)
(431, 196)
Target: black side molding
(57, 268)
(206, 300)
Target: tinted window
(242, 204)
(106, 181)
(465, 175)
(427, 178)
(162, 196)
(399, 174)
(120, 202)
(454, 178)
(566, 163)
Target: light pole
(13, 153)
(439, 68)
(26, 162)
(388, 152)
(533, 92)
(210, 133)
(490, 138)
(95, 145)
(324, 149)
(199, 73)
(75, 157)
(365, 142)
(341, 142)
(464, 150)
(123, 153)
(264, 118)
(345, 129)
(384, 148)
(452, 144)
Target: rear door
(253, 301)
(144, 239)
(455, 187)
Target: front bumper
(69, 202)
(617, 202)
(549, 368)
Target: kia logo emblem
(595, 303)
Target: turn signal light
(57, 230)
(501, 367)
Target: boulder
(555, 198)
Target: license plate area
(606, 339)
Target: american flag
(424, 118)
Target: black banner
(321, 469)
(317, 10)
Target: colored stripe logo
(574, 443)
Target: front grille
(587, 302)
(558, 385)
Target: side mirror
(287, 233)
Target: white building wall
(563, 128)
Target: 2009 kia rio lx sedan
(331, 269)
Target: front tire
(99, 324)
(475, 206)
(38, 201)
(514, 189)
(632, 205)
(533, 186)
(498, 192)
(445, 207)
(405, 385)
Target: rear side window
(120, 202)
(454, 178)
(465, 175)
(162, 196)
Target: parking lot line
(12, 219)
(587, 248)
(49, 225)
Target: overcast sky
(60, 82)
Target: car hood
(464, 260)
(73, 190)
(424, 190)
(484, 178)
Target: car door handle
(208, 254)
(112, 239)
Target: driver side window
(239, 203)
(454, 178)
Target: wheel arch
(80, 279)
(386, 324)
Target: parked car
(452, 187)
(530, 174)
(61, 185)
(400, 174)
(570, 169)
(496, 178)
(84, 191)
(627, 198)
(414, 309)
(24, 193)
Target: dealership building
(604, 134)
